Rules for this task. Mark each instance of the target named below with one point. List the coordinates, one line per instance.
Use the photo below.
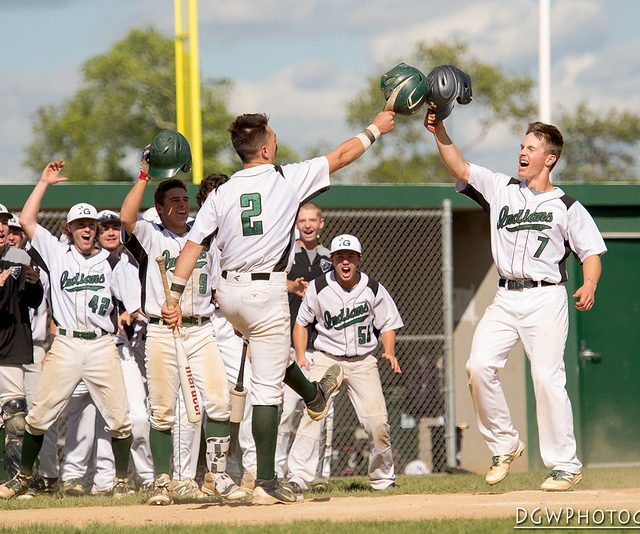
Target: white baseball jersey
(81, 289)
(252, 216)
(150, 240)
(532, 234)
(348, 322)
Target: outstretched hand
(51, 173)
(385, 121)
(430, 122)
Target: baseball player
(187, 439)
(20, 291)
(311, 260)
(83, 284)
(15, 237)
(84, 456)
(146, 241)
(349, 311)
(534, 227)
(252, 217)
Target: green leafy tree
(405, 156)
(127, 96)
(599, 147)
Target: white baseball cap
(345, 242)
(82, 211)
(108, 216)
(3, 209)
(14, 222)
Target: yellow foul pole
(188, 106)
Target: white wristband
(369, 136)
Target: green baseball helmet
(404, 88)
(169, 153)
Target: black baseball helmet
(169, 153)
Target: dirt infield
(393, 507)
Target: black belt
(254, 276)
(523, 284)
(195, 320)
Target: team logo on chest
(170, 261)
(81, 282)
(524, 220)
(346, 317)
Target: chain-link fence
(407, 251)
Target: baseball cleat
(186, 489)
(222, 485)
(18, 485)
(501, 465)
(332, 379)
(559, 480)
(122, 488)
(272, 491)
(297, 490)
(73, 487)
(248, 481)
(161, 495)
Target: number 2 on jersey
(253, 201)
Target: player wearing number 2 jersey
(252, 218)
(534, 228)
(83, 283)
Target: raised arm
(450, 155)
(133, 200)
(354, 147)
(29, 214)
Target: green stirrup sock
(264, 426)
(216, 429)
(31, 446)
(121, 450)
(295, 379)
(161, 450)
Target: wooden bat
(187, 384)
(238, 399)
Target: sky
(301, 61)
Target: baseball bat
(187, 384)
(238, 400)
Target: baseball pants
(362, 380)
(97, 364)
(259, 309)
(537, 316)
(162, 373)
(292, 409)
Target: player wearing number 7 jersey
(252, 219)
(83, 284)
(534, 228)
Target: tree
(599, 147)
(405, 156)
(128, 95)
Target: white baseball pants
(538, 316)
(362, 380)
